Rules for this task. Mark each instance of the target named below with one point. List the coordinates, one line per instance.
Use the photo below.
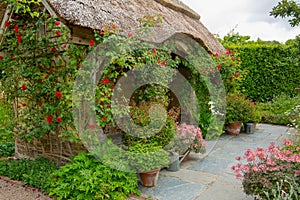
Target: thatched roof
(177, 17)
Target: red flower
(92, 127)
(51, 72)
(232, 58)
(104, 118)
(79, 67)
(80, 41)
(18, 106)
(238, 73)
(101, 32)
(53, 49)
(40, 80)
(24, 27)
(202, 70)
(1, 57)
(57, 23)
(41, 103)
(46, 77)
(58, 33)
(7, 24)
(218, 67)
(16, 29)
(154, 51)
(24, 87)
(24, 104)
(92, 43)
(236, 76)
(19, 37)
(129, 35)
(49, 119)
(112, 87)
(163, 63)
(217, 55)
(102, 104)
(228, 53)
(59, 119)
(58, 94)
(105, 80)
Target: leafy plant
(238, 108)
(265, 169)
(144, 157)
(34, 173)
(7, 149)
(87, 178)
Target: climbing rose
(154, 51)
(7, 24)
(19, 37)
(53, 49)
(59, 119)
(218, 67)
(58, 94)
(101, 32)
(1, 57)
(40, 80)
(112, 87)
(24, 87)
(57, 23)
(232, 58)
(41, 103)
(104, 118)
(217, 55)
(24, 27)
(105, 80)
(58, 33)
(92, 127)
(16, 29)
(92, 43)
(163, 63)
(49, 119)
(129, 35)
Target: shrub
(274, 111)
(34, 173)
(87, 178)
(267, 168)
(7, 149)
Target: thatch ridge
(125, 14)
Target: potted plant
(147, 159)
(237, 111)
(188, 138)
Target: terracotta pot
(186, 157)
(149, 178)
(234, 128)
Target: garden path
(208, 176)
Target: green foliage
(38, 83)
(7, 149)
(238, 108)
(6, 115)
(87, 178)
(144, 157)
(287, 9)
(275, 112)
(273, 69)
(34, 173)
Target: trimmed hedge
(273, 69)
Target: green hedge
(273, 69)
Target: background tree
(287, 8)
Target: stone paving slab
(208, 176)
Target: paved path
(208, 176)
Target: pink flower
(129, 35)
(288, 143)
(92, 127)
(101, 32)
(217, 55)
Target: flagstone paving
(208, 176)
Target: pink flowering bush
(189, 138)
(264, 169)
